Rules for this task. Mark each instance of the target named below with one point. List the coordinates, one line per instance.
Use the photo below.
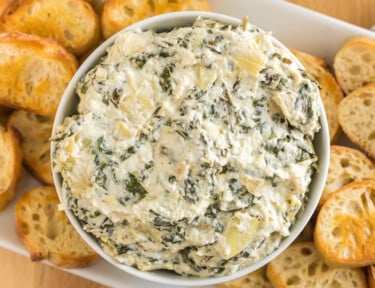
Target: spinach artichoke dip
(191, 149)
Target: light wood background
(18, 272)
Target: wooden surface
(18, 272)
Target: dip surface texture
(191, 149)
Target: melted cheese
(191, 150)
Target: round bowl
(68, 107)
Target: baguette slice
(46, 232)
(257, 279)
(10, 159)
(345, 166)
(344, 231)
(330, 91)
(357, 118)
(34, 72)
(371, 276)
(354, 63)
(300, 265)
(72, 23)
(35, 132)
(118, 14)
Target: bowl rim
(164, 21)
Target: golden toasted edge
(16, 155)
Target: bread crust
(35, 72)
(11, 159)
(357, 118)
(344, 228)
(46, 232)
(72, 23)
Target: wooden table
(17, 271)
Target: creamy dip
(192, 149)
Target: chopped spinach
(134, 187)
(165, 80)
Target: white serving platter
(296, 27)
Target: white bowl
(68, 107)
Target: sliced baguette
(72, 23)
(344, 231)
(330, 91)
(256, 279)
(10, 159)
(354, 63)
(46, 232)
(35, 72)
(118, 14)
(345, 166)
(35, 131)
(300, 265)
(357, 118)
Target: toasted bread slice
(330, 91)
(10, 159)
(300, 265)
(35, 132)
(256, 279)
(345, 166)
(34, 72)
(72, 23)
(357, 118)
(118, 14)
(47, 233)
(354, 63)
(344, 231)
